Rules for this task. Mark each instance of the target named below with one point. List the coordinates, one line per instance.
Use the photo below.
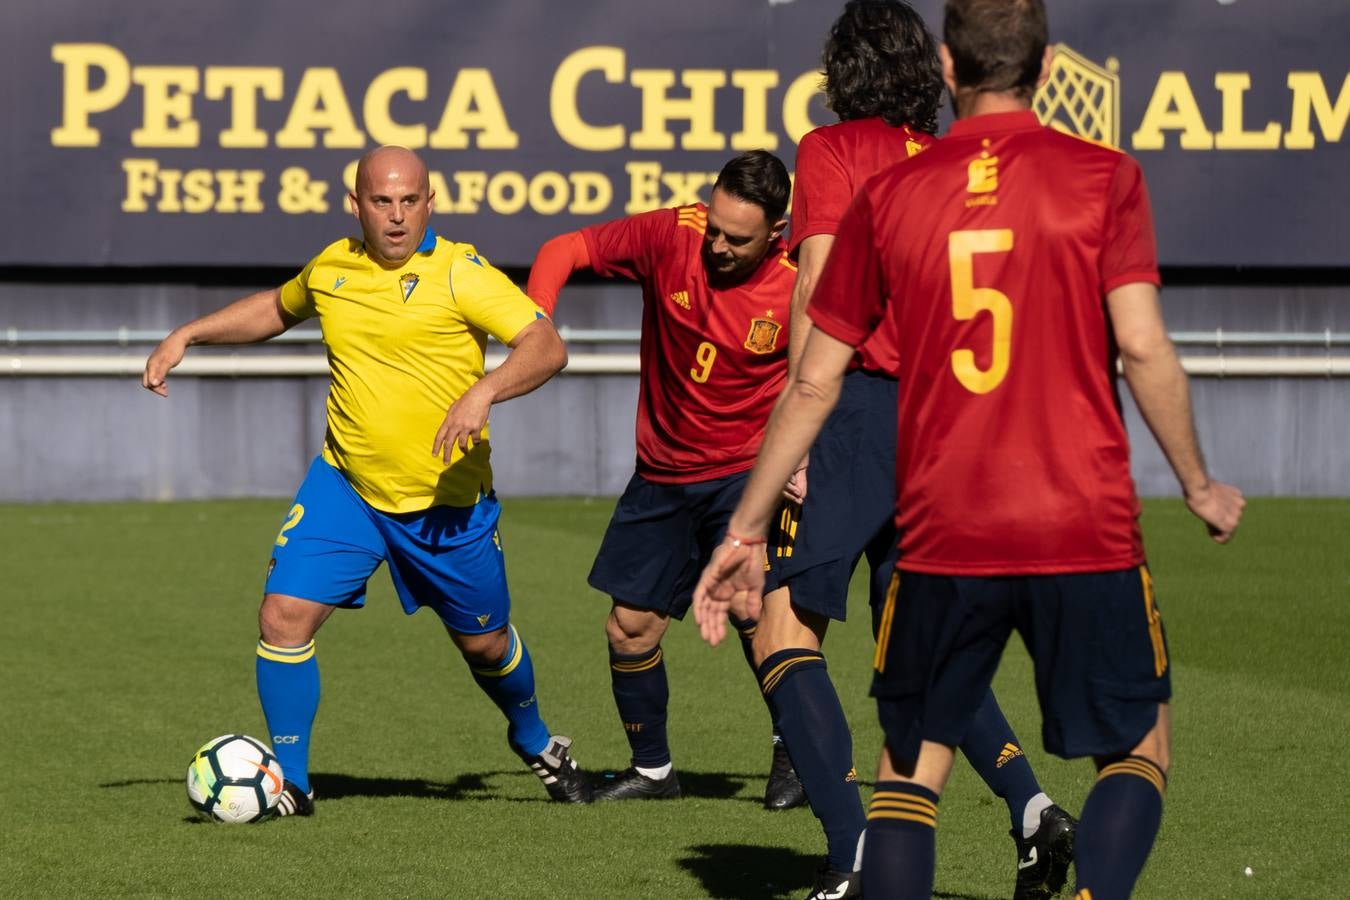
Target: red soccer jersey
(833, 163)
(992, 253)
(713, 361)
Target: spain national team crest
(1080, 97)
(763, 336)
(409, 283)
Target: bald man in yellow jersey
(404, 476)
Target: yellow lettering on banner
(685, 186)
(697, 109)
(79, 99)
(1232, 136)
(548, 193)
(797, 105)
(167, 92)
(1172, 108)
(380, 124)
(1310, 98)
(470, 189)
(644, 187)
(562, 98)
(473, 105)
(320, 105)
(506, 193)
(592, 192)
(755, 85)
(243, 84)
(193, 191)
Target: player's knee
(483, 649)
(289, 621)
(633, 631)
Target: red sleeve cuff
(836, 327)
(1145, 276)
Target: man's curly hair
(880, 60)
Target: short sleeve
(487, 299)
(850, 300)
(296, 297)
(628, 247)
(821, 191)
(1129, 249)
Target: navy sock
(642, 693)
(806, 708)
(510, 684)
(900, 851)
(994, 752)
(288, 688)
(1116, 831)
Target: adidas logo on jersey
(681, 299)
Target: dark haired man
(1016, 506)
(716, 283)
(883, 80)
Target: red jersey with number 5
(992, 252)
(833, 163)
(713, 360)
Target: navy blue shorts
(1096, 639)
(447, 558)
(849, 508)
(660, 538)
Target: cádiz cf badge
(409, 284)
(763, 336)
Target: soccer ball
(234, 778)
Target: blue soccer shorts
(1096, 640)
(446, 558)
(660, 538)
(849, 509)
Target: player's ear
(431, 201)
(778, 228)
(1045, 66)
(948, 67)
(353, 205)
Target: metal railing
(235, 362)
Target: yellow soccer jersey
(404, 344)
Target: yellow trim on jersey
(1084, 894)
(399, 358)
(510, 666)
(788, 519)
(692, 217)
(286, 654)
(785, 261)
(884, 628)
(1138, 768)
(1155, 634)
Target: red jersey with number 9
(991, 253)
(713, 360)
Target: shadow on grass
(750, 873)
(946, 896)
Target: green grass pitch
(128, 634)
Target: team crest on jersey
(763, 336)
(409, 284)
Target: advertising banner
(167, 134)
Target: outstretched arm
(1159, 386)
(537, 354)
(553, 265)
(254, 318)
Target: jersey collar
(428, 241)
(991, 123)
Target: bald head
(392, 200)
(380, 163)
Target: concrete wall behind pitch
(80, 438)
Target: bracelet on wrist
(738, 541)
